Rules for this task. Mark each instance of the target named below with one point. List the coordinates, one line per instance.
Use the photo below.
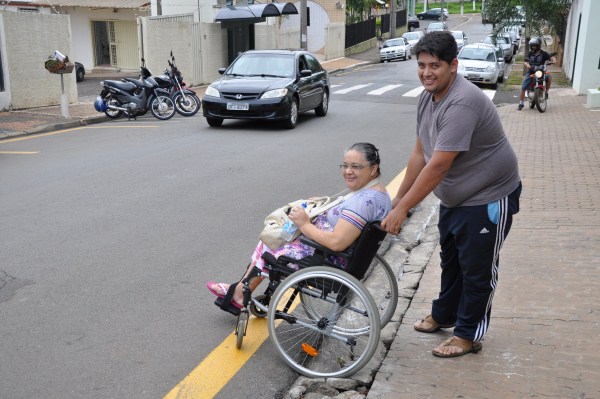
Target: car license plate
(238, 106)
(472, 76)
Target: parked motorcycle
(134, 97)
(187, 103)
(536, 92)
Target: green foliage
(541, 16)
(357, 10)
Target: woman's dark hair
(370, 152)
(439, 43)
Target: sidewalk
(543, 336)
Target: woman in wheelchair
(336, 229)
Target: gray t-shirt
(466, 120)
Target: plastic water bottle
(289, 228)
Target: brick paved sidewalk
(544, 333)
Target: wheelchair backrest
(365, 248)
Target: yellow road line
(35, 136)
(215, 371)
(19, 152)
(210, 376)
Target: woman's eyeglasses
(353, 167)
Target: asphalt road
(110, 232)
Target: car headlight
(461, 67)
(277, 93)
(491, 68)
(211, 91)
(538, 74)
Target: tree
(542, 17)
(357, 10)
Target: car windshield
(411, 36)
(488, 40)
(393, 43)
(478, 54)
(260, 64)
(436, 25)
(457, 35)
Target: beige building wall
(198, 47)
(29, 40)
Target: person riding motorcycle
(535, 57)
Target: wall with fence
(29, 39)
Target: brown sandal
(464, 345)
(434, 325)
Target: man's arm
(420, 180)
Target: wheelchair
(323, 320)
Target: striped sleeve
(353, 218)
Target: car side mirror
(305, 73)
(222, 71)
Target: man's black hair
(439, 43)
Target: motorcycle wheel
(187, 105)
(162, 107)
(541, 100)
(532, 100)
(113, 113)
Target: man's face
(534, 48)
(436, 75)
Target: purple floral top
(360, 209)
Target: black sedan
(433, 13)
(268, 85)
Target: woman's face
(358, 172)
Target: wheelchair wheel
(240, 330)
(333, 331)
(382, 284)
(255, 310)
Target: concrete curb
(408, 254)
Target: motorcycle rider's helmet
(535, 42)
(100, 105)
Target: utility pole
(303, 24)
(392, 19)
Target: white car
(501, 63)
(394, 49)
(513, 32)
(461, 39)
(413, 38)
(478, 64)
(502, 41)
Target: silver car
(461, 39)
(413, 38)
(500, 59)
(394, 49)
(436, 26)
(478, 63)
(502, 41)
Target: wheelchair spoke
(332, 331)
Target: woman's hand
(299, 216)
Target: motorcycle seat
(122, 85)
(137, 82)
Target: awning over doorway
(254, 13)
